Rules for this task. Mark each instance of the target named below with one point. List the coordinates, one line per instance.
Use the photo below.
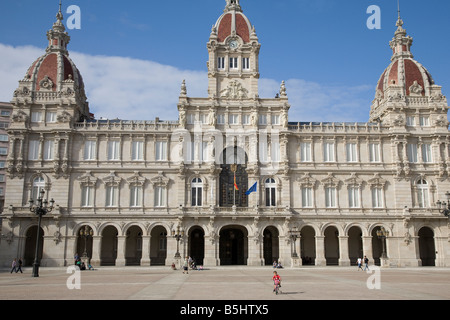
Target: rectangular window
(275, 119)
(90, 150)
(48, 149)
(137, 150)
(424, 121)
(233, 63)
(412, 152)
(263, 151)
(262, 119)
(330, 197)
(50, 117)
(4, 151)
(275, 151)
(307, 197)
(3, 137)
(221, 63)
(204, 151)
(377, 200)
(411, 121)
(233, 119)
(2, 164)
(2, 178)
(161, 150)
(246, 63)
(160, 196)
(2, 192)
(328, 152)
(113, 150)
(246, 119)
(351, 152)
(111, 196)
(426, 152)
(4, 125)
(190, 118)
(353, 197)
(33, 150)
(135, 196)
(87, 196)
(422, 197)
(220, 119)
(305, 152)
(5, 113)
(374, 152)
(36, 116)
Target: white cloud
(133, 89)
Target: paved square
(228, 283)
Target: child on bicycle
(276, 280)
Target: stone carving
(235, 90)
(46, 83)
(416, 89)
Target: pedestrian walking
(366, 263)
(360, 264)
(19, 265)
(14, 265)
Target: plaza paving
(228, 283)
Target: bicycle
(277, 287)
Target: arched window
(271, 188)
(422, 193)
(38, 185)
(196, 192)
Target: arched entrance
(308, 245)
(427, 249)
(158, 246)
(355, 245)
(108, 253)
(233, 246)
(197, 245)
(271, 245)
(331, 246)
(377, 247)
(30, 246)
(84, 241)
(133, 246)
(229, 196)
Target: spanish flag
(235, 185)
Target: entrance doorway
(355, 246)
(331, 246)
(271, 245)
(30, 246)
(108, 254)
(197, 245)
(233, 246)
(427, 249)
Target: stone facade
(135, 185)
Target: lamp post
(86, 233)
(178, 235)
(294, 234)
(40, 209)
(382, 233)
(444, 207)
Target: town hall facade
(134, 192)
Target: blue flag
(252, 189)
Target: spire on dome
(401, 43)
(57, 37)
(232, 5)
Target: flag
(235, 185)
(252, 189)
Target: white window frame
(135, 196)
(33, 149)
(413, 153)
(36, 116)
(87, 196)
(377, 197)
(221, 63)
(305, 151)
(427, 156)
(196, 192)
(353, 197)
(270, 188)
(161, 150)
(50, 117)
(233, 63)
(160, 196)
(328, 152)
(114, 150)
(245, 63)
(307, 200)
(48, 153)
(351, 152)
(90, 150)
(330, 197)
(374, 152)
(137, 151)
(112, 196)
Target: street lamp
(444, 207)
(86, 233)
(40, 209)
(294, 234)
(382, 233)
(178, 235)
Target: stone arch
(355, 243)
(133, 244)
(331, 243)
(427, 246)
(271, 244)
(196, 243)
(109, 243)
(158, 243)
(233, 244)
(308, 244)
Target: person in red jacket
(276, 280)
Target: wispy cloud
(134, 89)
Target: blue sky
(133, 55)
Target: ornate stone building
(135, 185)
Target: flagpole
(234, 168)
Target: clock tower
(233, 66)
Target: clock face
(233, 44)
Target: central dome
(233, 22)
